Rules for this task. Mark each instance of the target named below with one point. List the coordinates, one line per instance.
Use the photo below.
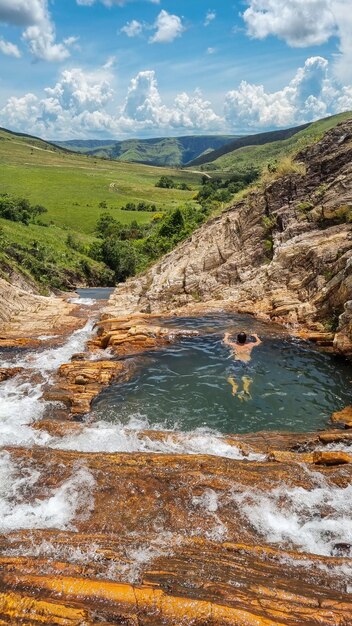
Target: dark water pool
(292, 386)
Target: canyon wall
(284, 251)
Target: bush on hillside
(19, 209)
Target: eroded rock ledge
(226, 263)
(165, 540)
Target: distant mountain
(249, 140)
(257, 151)
(165, 151)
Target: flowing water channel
(184, 388)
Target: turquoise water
(184, 386)
(96, 293)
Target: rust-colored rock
(155, 505)
(343, 417)
(9, 372)
(79, 382)
(331, 458)
(134, 334)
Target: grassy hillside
(164, 152)
(43, 257)
(72, 186)
(261, 155)
(248, 140)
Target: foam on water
(107, 437)
(74, 497)
(21, 397)
(209, 503)
(82, 301)
(312, 520)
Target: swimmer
(242, 351)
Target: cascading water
(195, 372)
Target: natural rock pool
(292, 385)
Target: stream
(184, 389)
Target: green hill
(76, 188)
(163, 152)
(266, 147)
(53, 251)
(248, 140)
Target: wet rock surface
(163, 540)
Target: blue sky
(109, 68)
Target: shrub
(19, 209)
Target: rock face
(284, 251)
(25, 316)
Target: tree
(120, 256)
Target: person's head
(241, 338)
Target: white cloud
(144, 108)
(210, 17)
(78, 91)
(168, 28)
(211, 50)
(39, 31)
(311, 94)
(343, 17)
(299, 22)
(10, 49)
(133, 28)
(22, 12)
(82, 104)
(304, 23)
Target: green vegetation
(46, 257)
(19, 209)
(285, 166)
(164, 152)
(166, 182)
(261, 155)
(127, 250)
(258, 139)
(141, 206)
(72, 186)
(217, 191)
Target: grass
(261, 156)
(165, 152)
(42, 254)
(71, 186)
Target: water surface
(293, 387)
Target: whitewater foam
(82, 301)
(72, 499)
(21, 396)
(312, 520)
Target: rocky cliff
(285, 250)
(25, 316)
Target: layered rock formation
(285, 251)
(25, 316)
(159, 539)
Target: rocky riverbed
(107, 523)
(121, 526)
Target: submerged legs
(244, 394)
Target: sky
(97, 69)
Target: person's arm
(227, 341)
(257, 340)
